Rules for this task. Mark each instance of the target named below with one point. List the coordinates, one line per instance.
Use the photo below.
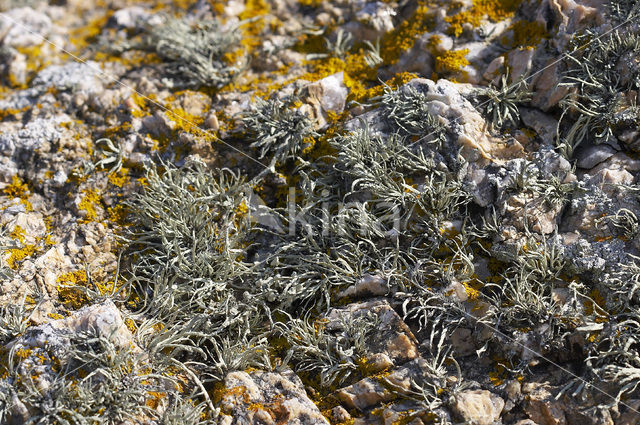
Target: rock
(545, 86)
(542, 407)
(325, 96)
(372, 391)
(630, 415)
(340, 414)
(478, 407)
(134, 17)
(545, 126)
(372, 20)
(446, 100)
(367, 285)
(520, 62)
(494, 70)
(392, 336)
(462, 342)
(24, 27)
(73, 76)
(269, 398)
(589, 157)
(513, 390)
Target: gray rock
(32, 135)
(72, 76)
(544, 125)
(135, 17)
(591, 156)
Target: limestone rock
(267, 398)
(325, 96)
(372, 391)
(478, 407)
(392, 336)
(24, 27)
(542, 408)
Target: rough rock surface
(438, 205)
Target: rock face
(266, 398)
(500, 137)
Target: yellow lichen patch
(472, 288)
(253, 9)
(310, 3)
(81, 37)
(39, 57)
(404, 36)
(139, 105)
(131, 325)
(154, 399)
(451, 61)
(356, 72)
(117, 214)
(19, 189)
(69, 289)
(10, 112)
(120, 178)
(498, 376)
(596, 306)
(525, 34)
(22, 353)
(494, 10)
(17, 255)
(88, 203)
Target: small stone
(462, 342)
(328, 95)
(591, 156)
(513, 390)
(367, 285)
(545, 126)
(478, 407)
(131, 17)
(211, 122)
(340, 414)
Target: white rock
(268, 398)
(24, 27)
(131, 17)
(367, 285)
(478, 407)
